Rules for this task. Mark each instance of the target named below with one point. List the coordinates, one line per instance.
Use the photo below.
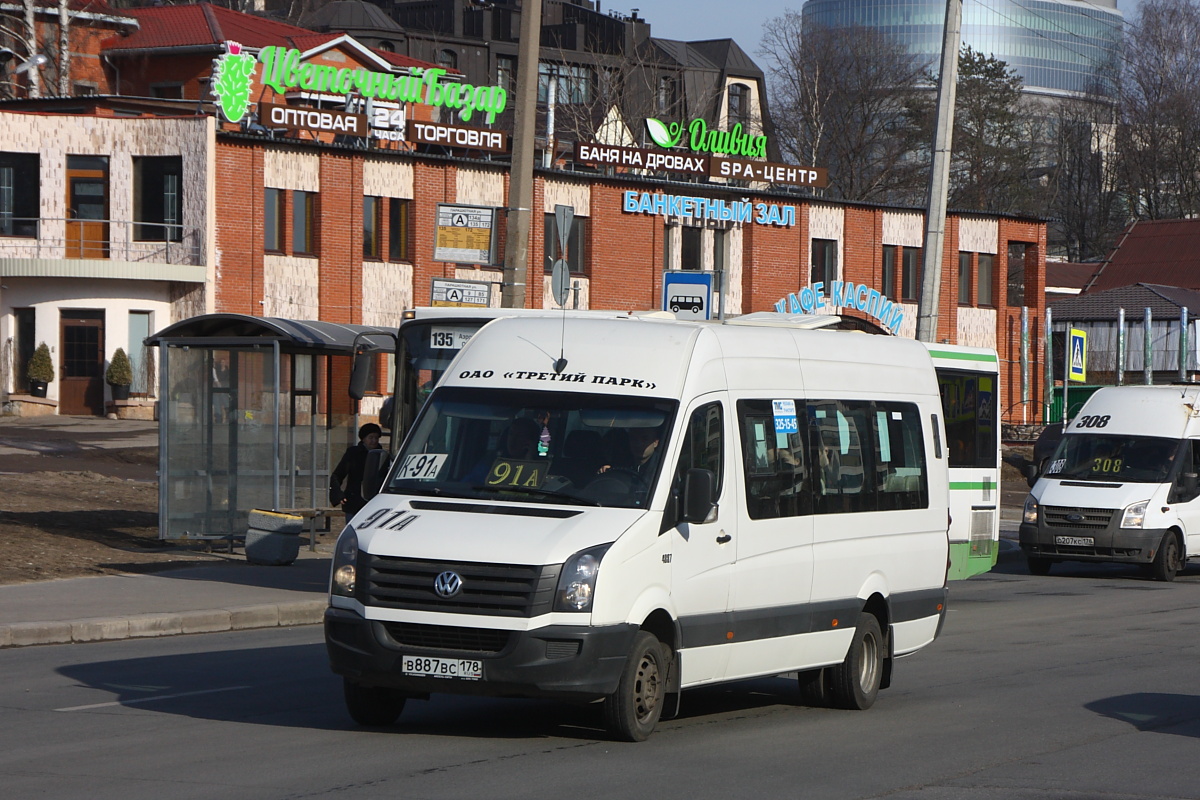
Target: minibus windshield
(1128, 459)
(535, 446)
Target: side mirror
(699, 500)
(1030, 471)
(360, 374)
(374, 471)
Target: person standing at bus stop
(345, 482)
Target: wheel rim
(1172, 555)
(647, 689)
(868, 669)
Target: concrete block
(264, 616)
(143, 625)
(270, 548)
(275, 521)
(205, 621)
(31, 633)
(5, 636)
(100, 630)
(302, 612)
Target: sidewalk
(204, 599)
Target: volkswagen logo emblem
(447, 584)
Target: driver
(642, 443)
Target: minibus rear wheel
(372, 706)
(633, 710)
(855, 682)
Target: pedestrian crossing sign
(1077, 356)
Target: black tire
(1039, 565)
(854, 684)
(1166, 561)
(814, 687)
(632, 711)
(372, 706)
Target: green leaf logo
(664, 135)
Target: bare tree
(1158, 132)
(847, 101)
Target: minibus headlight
(577, 583)
(1135, 515)
(345, 564)
(1031, 511)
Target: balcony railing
(119, 240)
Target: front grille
(1092, 518)
(503, 590)
(446, 637)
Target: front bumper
(562, 661)
(1112, 543)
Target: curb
(137, 626)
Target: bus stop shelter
(253, 413)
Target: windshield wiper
(538, 493)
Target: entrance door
(87, 207)
(81, 363)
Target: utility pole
(939, 178)
(520, 177)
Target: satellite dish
(37, 61)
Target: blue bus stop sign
(688, 295)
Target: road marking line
(137, 700)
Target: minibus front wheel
(372, 706)
(633, 710)
(1167, 561)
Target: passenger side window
(837, 429)
(774, 462)
(899, 457)
(703, 443)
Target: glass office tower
(1056, 46)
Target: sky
(740, 20)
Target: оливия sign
(734, 142)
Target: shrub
(120, 371)
(40, 367)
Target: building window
(506, 74)
(372, 228)
(158, 199)
(964, 279)
(668, 94)
(387, 46)
(84, 89)
(447, 59)
(20, 194)
(690, 249)
(889, 270)
(273, 220)
(720, 244)
(983, 294)
(1016, 273)
(139, 358)
(576, 255)
(573, 83)
(167, 91)
(398, 230)
(824, 262)
(23, 346)
(739, 104)
(910, 273)
(303, 223)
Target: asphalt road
(1078, 685)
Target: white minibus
(1122, 485)
(620, 509)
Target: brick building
(315, 226)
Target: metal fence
(120, 240)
